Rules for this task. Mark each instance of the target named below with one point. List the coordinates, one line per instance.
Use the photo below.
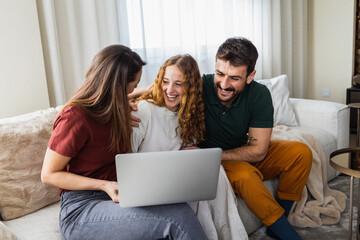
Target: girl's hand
(111, 188)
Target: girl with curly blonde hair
(172, 111)
(171, 114)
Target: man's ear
(250, 77)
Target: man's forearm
(138, 92)
(244, 153)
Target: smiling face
(172, 87)
(230, 81)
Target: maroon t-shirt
(86, 141)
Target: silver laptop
(154, 178)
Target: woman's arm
(53, 173)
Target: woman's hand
(111, 188)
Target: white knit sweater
(156, 132)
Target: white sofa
(328, 122)
(29, 209)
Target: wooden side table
(347, 161)
(353, 96)
(357, 107)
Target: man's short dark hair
(238, 51)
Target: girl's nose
(171, 87)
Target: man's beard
(217, 87)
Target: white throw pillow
(283, 111)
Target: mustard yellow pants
(290, 161)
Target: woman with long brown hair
(90, 130)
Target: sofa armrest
(330, 116)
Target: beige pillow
(23, 142)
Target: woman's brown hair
(103, 93)
(191, 110)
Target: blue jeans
(93, 215)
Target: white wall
(330, 48)
(23, 86)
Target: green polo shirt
(227, 127)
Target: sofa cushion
(40, 225)
(23, 142)
(5, 232)
(283, 110)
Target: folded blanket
(219, 217)
(323, 205)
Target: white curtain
(73, 31)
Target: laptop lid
(153, 178)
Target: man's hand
(134, 120)
(136, 93)
(189, 148)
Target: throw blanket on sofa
(219, 217)
(323, 205)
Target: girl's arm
(53, 173)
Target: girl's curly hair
(191, 110)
